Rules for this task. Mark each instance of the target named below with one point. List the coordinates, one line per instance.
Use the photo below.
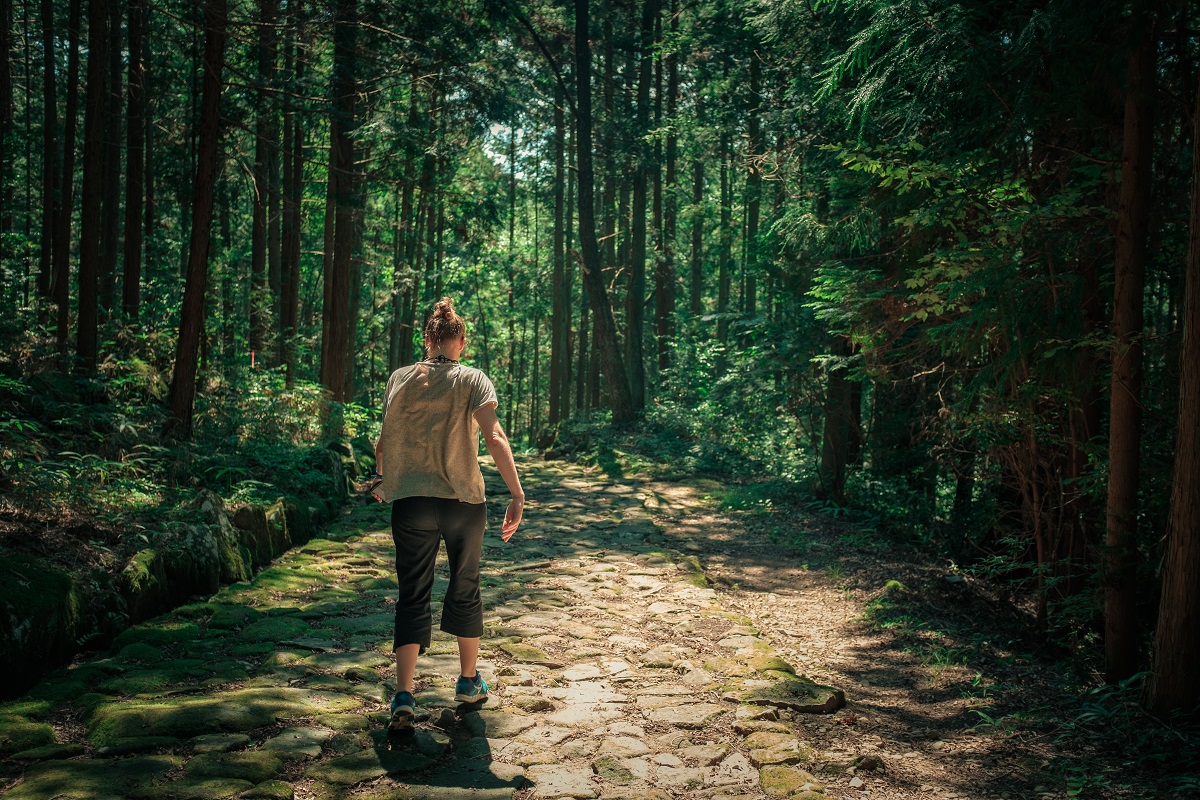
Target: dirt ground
(959, 699)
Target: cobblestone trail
(616, 673)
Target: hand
(512, 518)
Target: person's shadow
(448, 750)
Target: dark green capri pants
(418, 526)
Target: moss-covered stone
(271, 790)
(765, 663)
(798, 694)
(274, 629)
(784, 781)
(525, 652)
(194, 788)
(50, 751)
(219, 742)
(17, 734)
(239, 710)
(159, 633)
(341, 663)
(610, 770)
(140, 651)
(43, 699)
(137, 744)
(255, 766)
(144, 585)
(40, 618)
(356, 768)
(233, 617)
(89, 779)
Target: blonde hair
(443, 323)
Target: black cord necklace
(440, 359)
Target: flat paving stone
(559, 780)
(689, 715)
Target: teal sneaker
(404, 711)
(471, 690)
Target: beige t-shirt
(429, 444)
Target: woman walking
(426, 456)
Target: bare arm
(497, 445)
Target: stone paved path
(616, 673)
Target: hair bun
(444, 308)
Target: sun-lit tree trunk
(191, 320)
(1122, 638)
(1173, 686)
(611, 364)
(135, 159)
(60, 284)
(92, 193)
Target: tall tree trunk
(344, 190)
(92, 194)
(110, 239)
(835, 440)
(558, 330)
(51, 157)
(6, 118)
(293, 196)
(135, 159)
(619, 397)
(60, 288)
(635, 299)
(191, 320)
(726, 245)
(753, 186)
(664, 283)
(1173, 686)
(261, 291)
(1122, 638)
(400, 343)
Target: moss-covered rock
(783, 781)
(143, 584)
(255, 766)
(233, 617)
(274, 629)
(798, 694)
(194, 788)
(159, 633)
(239, 710)
(140, 651)
(17, 734)
(41, 610)
(271, 790)
(366, 765)
(50, 751)
(137, 744)
(89, 779)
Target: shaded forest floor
(639, 640)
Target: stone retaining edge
(47, 615)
